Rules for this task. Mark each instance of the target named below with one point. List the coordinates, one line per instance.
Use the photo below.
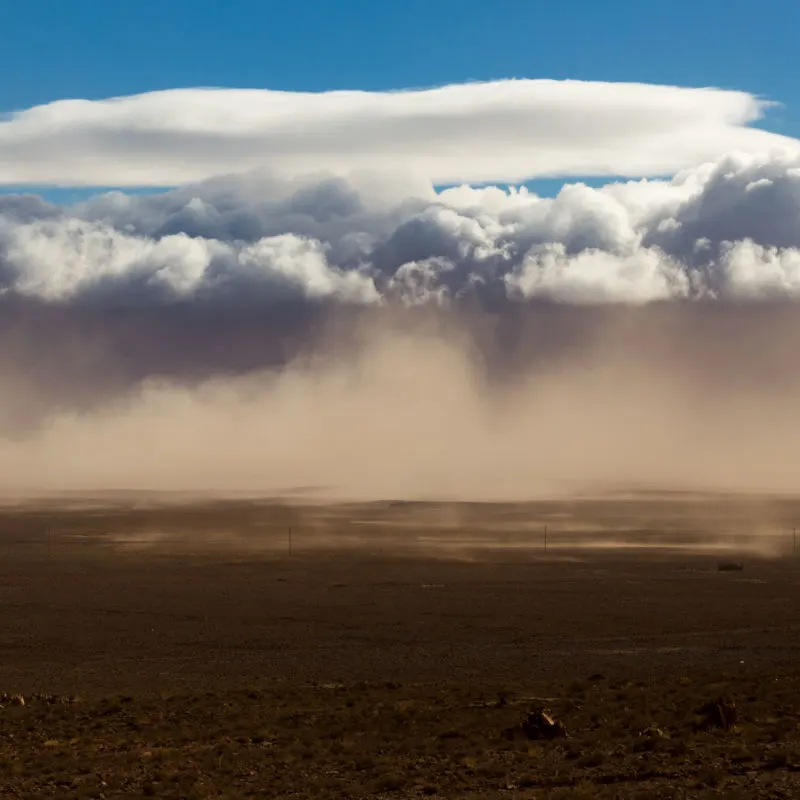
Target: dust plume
(462, 404)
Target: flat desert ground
(187, 649)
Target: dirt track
(406, 621)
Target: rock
(719, 713)
(540, 725)
(653, 733)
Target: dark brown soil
(388, 651)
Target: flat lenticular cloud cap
(498, 131)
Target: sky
(91, 50)
(259, 244)
(256, 151)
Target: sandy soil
(248, 649)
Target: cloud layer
(506, 131)
(728, 230)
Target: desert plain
(164, 646)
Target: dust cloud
(461, 404)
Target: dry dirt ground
(247, 649)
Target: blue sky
(92, 49)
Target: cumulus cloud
(593, 276)
(506, 131)
(727, 230)
(67, 259)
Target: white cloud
(302, 263)
(754, 272)
(594, 276)
(69, 259)
(501, 131)
(727, 229)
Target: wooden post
(290, 541)
(545, 538)
(49, 542)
